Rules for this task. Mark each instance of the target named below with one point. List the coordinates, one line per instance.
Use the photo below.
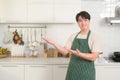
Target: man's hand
(76, 52)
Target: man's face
(83, 23)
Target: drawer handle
(38, 66)
(9, 66)
(62, 66)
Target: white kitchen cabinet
(40, 11)
(13, 11)
(11, 72)
(67, 2)
(65, 10)
(107, 72)
(59, 72)
(53, 11)
(38, 72)
(40, 1)
(1, 9)
(66, 13)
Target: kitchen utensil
(117, 54)
(116, 59)
(17, 50)
(8, 36)
(35, 42)
(41, 41)
(27, 39)
(27, 53)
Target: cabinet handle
(108, 67)
(112, 67)
(9, 66)
(62, 66)
(38, 66)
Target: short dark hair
(83, 14)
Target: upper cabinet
(66, 10)
(38, 11)
(1, 9)
(13, 11)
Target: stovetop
(110, 60)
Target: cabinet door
(40, 11)
(1, 9)
(14, 11)
(59, 72)
(65, 11)
(11, 72)
(38, 72)
(67, 2)
(107, 73)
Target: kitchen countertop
(45, 61)
(50, 61)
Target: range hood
(113, 20)
(116, 19)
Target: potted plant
(4, 52)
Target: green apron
(79, 68)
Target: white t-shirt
(94, 41)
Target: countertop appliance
(113, 58)
(116, 56)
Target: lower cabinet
(33, 72)
(59, 72)
(45, 72)
(51, 72)
(38, 72)
(11, 72)
(107, 72)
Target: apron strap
(77, 34)
(88, 34)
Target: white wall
(60, 32)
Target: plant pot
(3, 55)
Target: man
(85, 49)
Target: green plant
(4, 51)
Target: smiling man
(85, 47)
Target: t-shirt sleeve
(97, 44)
(69, 41)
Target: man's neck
(84, 32)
